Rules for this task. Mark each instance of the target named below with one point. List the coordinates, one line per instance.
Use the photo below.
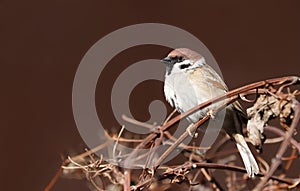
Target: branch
(277, 160)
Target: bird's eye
(179, 59)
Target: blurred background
(43, 42)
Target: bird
(190, 81)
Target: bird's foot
(188, 130)
(211, 114)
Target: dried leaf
(266, 108)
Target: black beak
(166, 60)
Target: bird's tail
(248, 159)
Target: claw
(211, 114)
(188, 129)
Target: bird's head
(182, 59)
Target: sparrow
(189, 81)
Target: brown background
(42, 43)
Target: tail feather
(248, 159)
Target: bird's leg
(188, 129)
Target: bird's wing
(208, 80)
(213, 78)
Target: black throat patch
(169, 68)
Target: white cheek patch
(178, 66)
(185, 62)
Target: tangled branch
(274, 100)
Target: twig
(277, 160)
(290, 159)
(121, 139)
(169, 117)
(179, 140)
(95, 185)
(274, 140)
(198, 165)
(182, 145)
(138, 123)
(87, 153)
(242, 90)
(194, 179)
(212, 180)
(117, 141)
(54, 179)
(265, 164)
(282, 133)
(179, 172)
(127, 174)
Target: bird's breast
(185, 91)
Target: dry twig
(271, 101)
